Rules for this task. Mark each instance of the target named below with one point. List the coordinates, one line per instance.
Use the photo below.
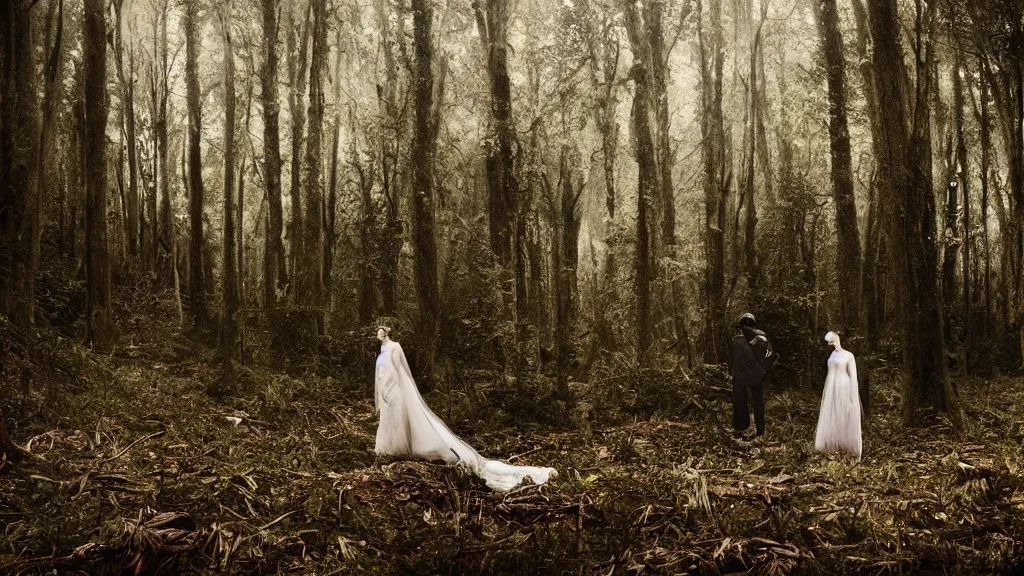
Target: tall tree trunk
(163, 144)
(196, 276)
(52, 79)
(566, 261)
(275, 276)
(907, 191)
(502, 184)
(19, 161)
(507, 224)
(297, 79)
(647, 192)
(310, 277)
(984, 123)
(965, 186)
(99, 324)
(428, 299)
(753, 270)
(393, 122)
(330, 216)
(660, 77)
(716, 180)
(604, 51)
(127, 82)
(230, 274)
(842, 175)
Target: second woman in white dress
(408, 427)
(839, 419)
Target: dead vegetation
(133, 469)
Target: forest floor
(133, 467)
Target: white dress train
(409, 428)
(839, 419)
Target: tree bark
(660, 77)
(230, 274)
(753, 268)
(297, 78)
(716, 181)
(428, 297)
(648, 177)
(842, 175)
(53, 60)
(908, 193)
(19, 161)
(163, 144)
(275, 276)
(310, 278)
(965, 186)
(566, 260)
(197, 280)
(330, 215)
(126, 79)
(502, 182)
(99, 324)
(984, 123)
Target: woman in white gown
(409, 428)
(839, 420)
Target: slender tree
(230, 274)
(52, 78)
(127, 77)
(100, 329)
(310, 278)
(654, 15)
(984, 129)
(197, 280)
(428, 297)
(965, 187)
(297, 56)
(274, 272)
(163, 136)
(716, 177)
(842, 173)
(331, 212)
(642, 118)
(566, 260)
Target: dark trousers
(741, 408)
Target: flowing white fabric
(839, 419)
(409, 428)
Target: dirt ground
(134, 469)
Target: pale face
(382, 334)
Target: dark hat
(748, 320)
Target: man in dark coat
(751, 357)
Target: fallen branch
(132, 445)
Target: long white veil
(408, 427)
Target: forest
(560, 209)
